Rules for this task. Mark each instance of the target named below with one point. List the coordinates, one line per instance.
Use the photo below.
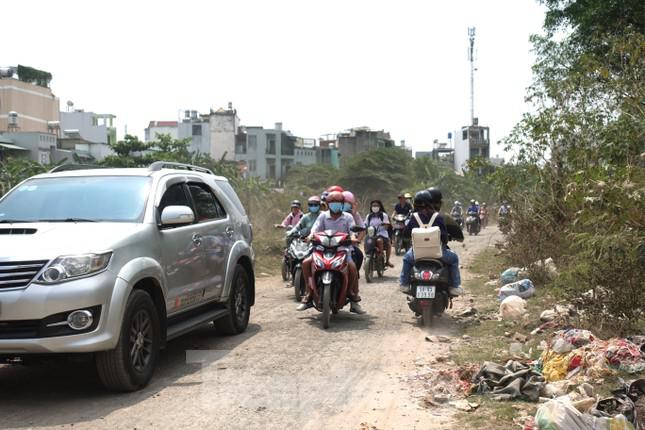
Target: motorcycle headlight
(335, 241)
(70, 267)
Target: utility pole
(471, 58)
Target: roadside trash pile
(582, 410)
(512, 381)
(576, 353)
(439, 387)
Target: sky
(318, 67)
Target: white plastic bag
(512, 308)
(523, 288)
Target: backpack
(426, 239)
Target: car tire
(239, 305)
(130, 365)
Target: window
(464, 134)
(174, 196)
(271, 169)
(286, 145)
(197, 129)
(252, 166)
(240, 148)
(206, 204)
(252, 143)
(270, 143)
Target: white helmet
(456, 203)
(477, 203)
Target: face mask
(376, 209)
(314, 208)
(347, 207)
(335, 207)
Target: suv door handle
(197, 239)
(229, 231)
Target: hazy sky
(318, 67)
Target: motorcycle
(298, 251)
(330, 268)
(428, 295)
(473, 225)
(374, 260)
(401, 244)
(504, 223)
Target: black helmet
(422, 199)
(436, 195)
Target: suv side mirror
(177, 215)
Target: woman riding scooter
(380, 221)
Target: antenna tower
(471, 58)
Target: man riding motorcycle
(424, 205)
(380, 221)
(403, 207)
(504, 209)
(457, 210)
(335, 220)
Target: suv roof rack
(68, 167)
(158, 165)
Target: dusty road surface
(284, 372)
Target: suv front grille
(18, 274)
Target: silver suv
(118, 261)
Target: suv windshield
(92, 198)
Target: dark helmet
(296, 204)
(436, 195)
(423, 199)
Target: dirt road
(284, 372)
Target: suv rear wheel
(239, 305)
(131, 364)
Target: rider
(403, 207)
(504, 209)
(293, 217)
(337, 221)
(483, 214)
(473, 210)
(457, 211)
(424, 206)
(303, 228)
(350, 207)
(380, 221)
(452, 226)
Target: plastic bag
(523, 288)
(568, 340)
(512, 308)
(512, 274)
(562, 415)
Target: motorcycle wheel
(298, 284)
(426, 316)
(285, 271)
(368, 268)
(380, 266)
(398, 245)
(326, 313)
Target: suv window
(230, 192)
(174, 196)
(206, 204)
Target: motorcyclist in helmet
(473, 210)
(452, 226)
(293, 217)
(424, 205)
(349, 206)
(378, 219)
(504, 209)
(457, 211)
(335, 220)
(303, 228)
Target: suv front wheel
(130, 365)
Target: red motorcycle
(330, 273)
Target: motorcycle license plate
(425, 292)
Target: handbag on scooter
(426, 239)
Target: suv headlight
(69, 267)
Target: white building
(224, 127)
(470, 142)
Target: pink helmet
(349, 197)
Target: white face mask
(376, 209)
